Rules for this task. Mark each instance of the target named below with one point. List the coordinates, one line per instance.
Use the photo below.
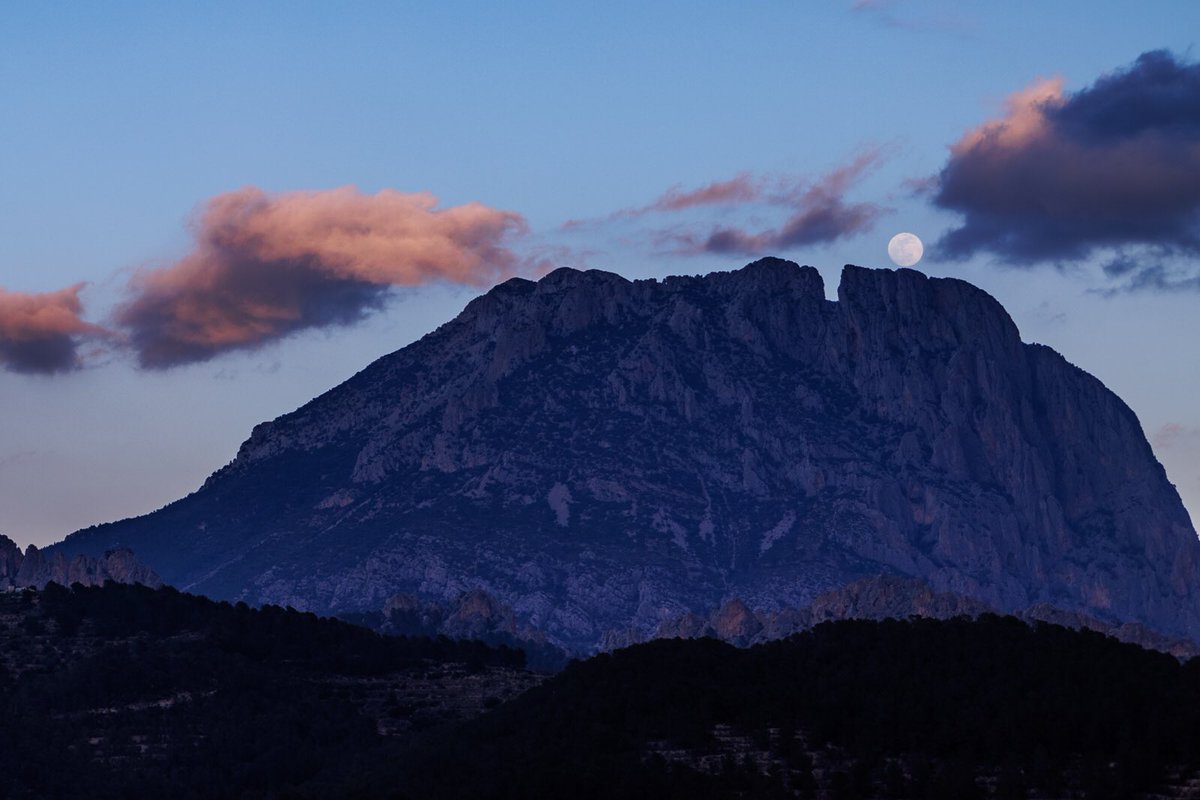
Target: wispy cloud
(741, 188)
(818, 210)
(891, 14)
(1173, 435)
(268, 265)
(42, 333)
(819, 213)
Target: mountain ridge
(600, 454)
(32, 569)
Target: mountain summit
(602, 454)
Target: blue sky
(119, 122)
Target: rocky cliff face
(604, 455)
(32, 568)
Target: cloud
(1173, 435)
(1062, 175)
(885, 12)
(820, 214)
(1140, 274)
(268, 265)
(819, 211)
(42, 333)
(741, 188)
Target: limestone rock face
(883, 597)
(20, 570)
(605, 457)
(10, 562)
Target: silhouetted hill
(122, 691)
(853, 709)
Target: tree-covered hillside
(124, 691)
(915, 709)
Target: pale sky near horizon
(130, 133)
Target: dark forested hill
(123, 691)
(907, 709)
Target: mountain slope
(603, 454)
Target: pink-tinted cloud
(42, 333)
(819, 210)
(1174, 435)
(1060, 175)
(820, 213)
(265, 266)
(741, 188)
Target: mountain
(602, 455)
(32, 569)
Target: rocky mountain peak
(599, 455)
(927, 314)
(33, 568)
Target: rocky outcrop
(878, 598)
(33, 569)
(10, 562)
(602, 455)
(734, 622)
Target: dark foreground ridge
(602, 458)
(954, 709)
(123, 691)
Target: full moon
(905, 249)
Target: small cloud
(17, 459)
(265, 266)
(1159, 278)
(742, 188)
(887, 13)
(1049, 313)
(820, 213)
(1121, 265)
(1062, 175)
(1173, 435)
(43, 333)
(920, 187)
(1137, 276)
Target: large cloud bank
(1114, 167)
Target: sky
(212, 212)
